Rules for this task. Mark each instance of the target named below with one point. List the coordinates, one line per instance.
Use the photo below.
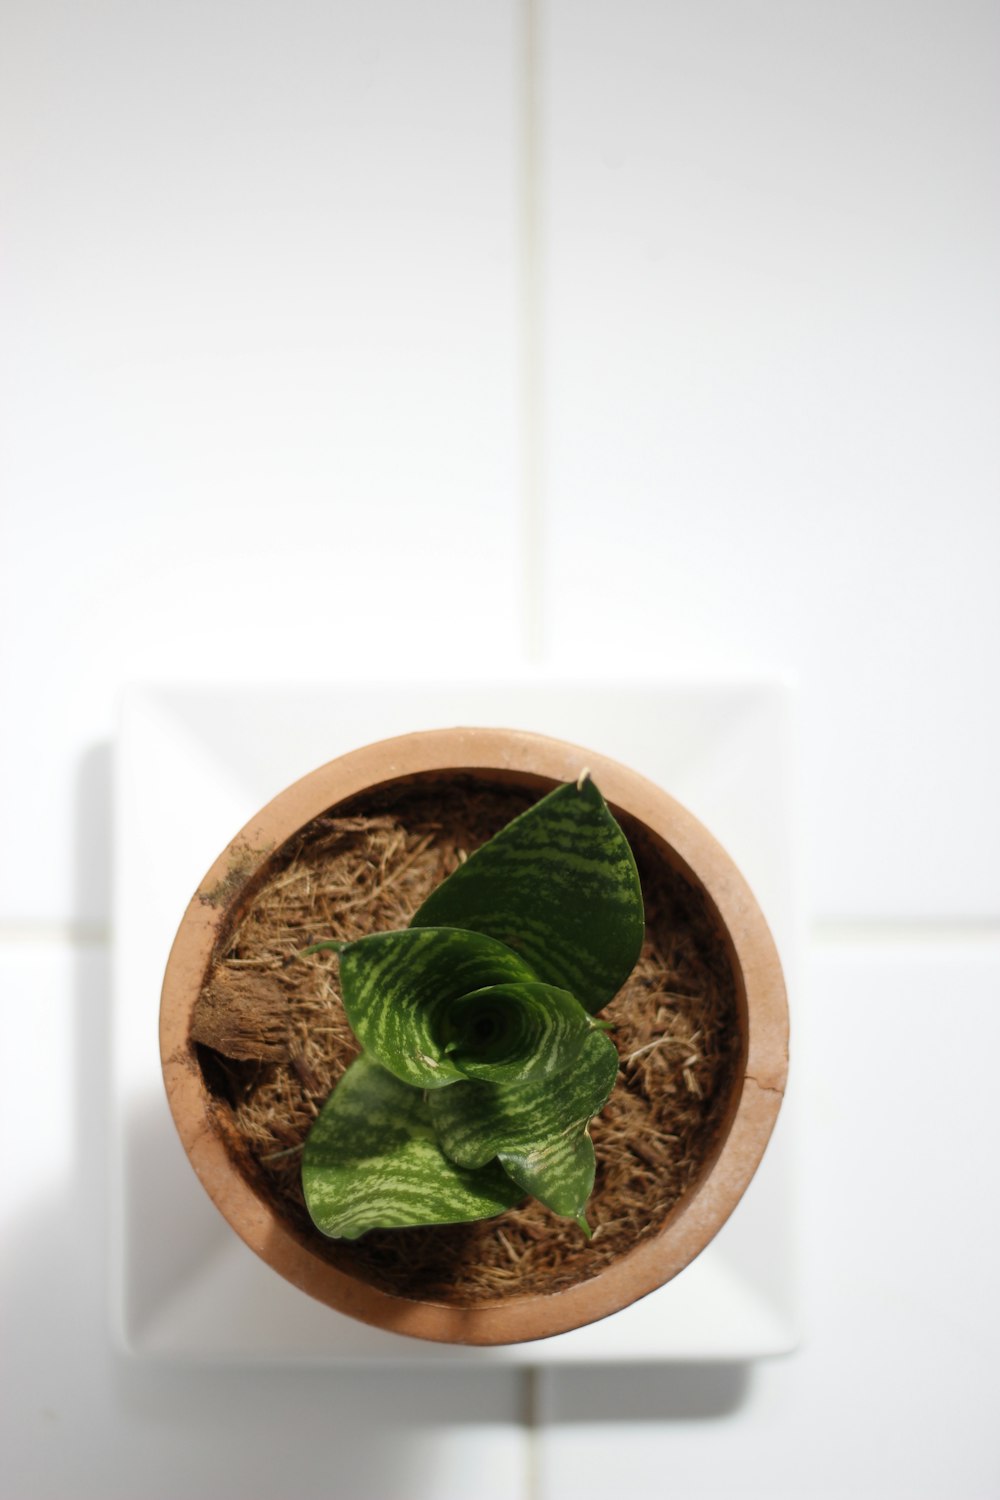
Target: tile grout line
(64, 934)
(889, 931)
(531, 337)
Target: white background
(395, 338)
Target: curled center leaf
(398, 989)
(512, 1033)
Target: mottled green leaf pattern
(510, 1033)
(398, 986)
(558, 885)
(534, 1129)
(482, 1064)
(372, 1162)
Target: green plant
(482, 1063)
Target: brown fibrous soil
(273, 1040)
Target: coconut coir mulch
(273, 1040)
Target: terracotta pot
(538, 763)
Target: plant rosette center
(482, 1062)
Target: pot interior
(271, 1038)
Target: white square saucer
(193, 765)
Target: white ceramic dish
(193, 765)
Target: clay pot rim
(525, 757)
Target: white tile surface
(259, 370)
(892, 1396)
(193, 765)
(79, 1422)
(772, 371)
(259, 317)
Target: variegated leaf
(537, 1130)
(513, 1033)
(371, 1161)
(558, 1173)
(398, 986)
(559, 886)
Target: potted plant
(338, 883)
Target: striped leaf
(513, 1033)
(398, 986)
(559, 1174)
(371, 1161)
(558, 885)
(537, 1130)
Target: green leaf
(537, 1131)
(562, 1177)
(398, 987)
(371, 1161)
(558, 885)
(512, 1033)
